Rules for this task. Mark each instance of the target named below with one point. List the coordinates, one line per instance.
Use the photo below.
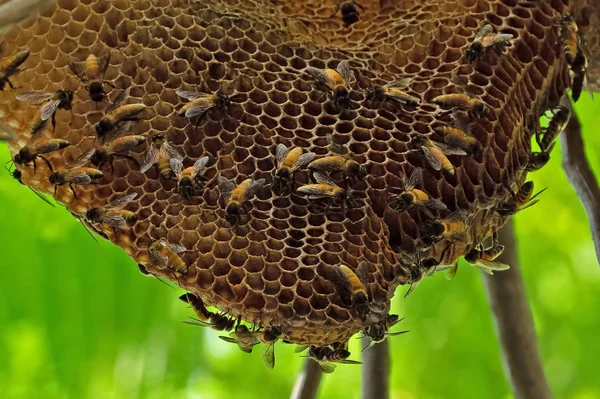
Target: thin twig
(581, 176)
(307, 383)
(375, 371)
(514, 324)
(14, 12)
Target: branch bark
(375, 370)
(581, 176)
(514, 324)
(14, 12)
(308, 381)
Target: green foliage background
(77, 319)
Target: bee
(7, 133)
(91, 73)
(288, 161)
(61, 99)
(486, 38)
(351, 289)
(113, 214)
(160, 152)
(37, 146)
(164, 254)
(186, 178)
(522, 199)
(75, 173)
(349, 12)
(336, 80)
(197, 305)
(484, 259)
(393, 91)
(339, 162)
(17, 174)
(327, 189)
(570, 38)
(243, 337)
(558, 122)
(325, 356)
(236, 196)
(378, 332)
(216, 321)
(580, 76)
(413, 196)
(457, 138)
(537, 160)
(118, 118)
(200, 103)
(436, 230)
(463, 100)
(436, 153)
(268, 337)
(115, 148)
(10, 66)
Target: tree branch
(307, 383)
(375, 370)
(514, 324)
(581, 176)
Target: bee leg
(337, 8)
(110, 84)
(47, 163)
(73, 190)
(358, 5)
(54, 122)
(55, 188)
(10, 84)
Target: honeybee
(160, 152)
(115, 148)
(113, 214)
(164, 254)
(118, 118)
(580, 76)
(538, 159)
(61, 99)
(558, 122)
(236, 196)
(200, 103)
(197, 305)
(288, 161)
(327, 189)
(37, 146)
(393, 91)
(569, 36)
(351, 289)
(484, 259)
(337, 81)
(188, 177)
(7, 133)
(17, 174)
(339, 162)
(413, 196)
(463, 100)
(326, 356)
(438, 229)
(486, 38)
(457, 138)
(436, 153)
(378, 332)
(75, 173)
(91, 73)
(522, 199)
(9, 66)
(216, 321)
(243, 337)
(349, 12)
(269, 336)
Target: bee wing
(318, 75)
(362, 271)
(253, 189)
(484, 31)
(199, 165)
(401, 83)
(334, 147)
(303, 160)
(348, 361)
(431, 158)
(120, 202)
(452, 271)
(300, 348)
(281, 152)
(435, 204)
(345, 71)
(491, 40)
(177, 248)
(176, 166)
(192, 321)
(103, 62)
(341, 285)
(327, 367)
(82, 160)
(322, 179)
(35, 97)
(415, 178)
(114, 219)
(448, 150)
(150, 159)
(190, 95)
(78, 68)
(394, 334)
(49, 109)
(490, 267)
(269, 356)
(228, 339)
(168, 151)
(200, 106)
(225, 186)
(123, 128)
(120, 98)
(41, 146)
(457, 215)
(79, 177)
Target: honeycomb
(273, 268)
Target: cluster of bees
(113, 142)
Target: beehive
(273, 268)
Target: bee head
(272, 333)
(104, 126)
(96, 91)
(18, 158)
(407, 198)
(224, 100)
(93, 214)
(341, 92)
(54, 178)
(283, 174)
(16, 174)
(418, 141)
(232, 213)
(375, 332)
(474, 51)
